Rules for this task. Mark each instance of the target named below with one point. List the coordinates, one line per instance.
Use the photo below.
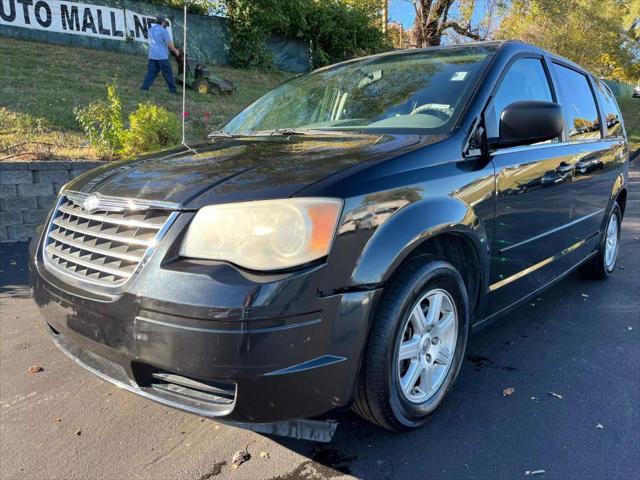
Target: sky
(402, 11)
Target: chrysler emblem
(91, 203)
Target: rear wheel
(416, 345)
(604, 263)
(201, 86)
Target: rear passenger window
(610, 111)
(579, 106)
(525, 80)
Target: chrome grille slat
(85, 246)
(98, 234)
(103, 248)
(111, 219)
(85, 263)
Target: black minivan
(337, 241)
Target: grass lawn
(40, 84)
(631, 113)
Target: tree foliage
(335, 29)
(602, 36)
(200, 7)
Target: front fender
(411, 226)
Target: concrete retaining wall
(207, 37)
(28, 191)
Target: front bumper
(213, 341)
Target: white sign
(76, 19)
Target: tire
(602, 266)
(381, 397)
(201, 86)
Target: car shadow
(13, 270)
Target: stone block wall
(28, 191)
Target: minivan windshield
(422, 92)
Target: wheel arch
(444, 228)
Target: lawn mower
(199, 78)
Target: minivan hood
(238, 169)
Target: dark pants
(156, 66)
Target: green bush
(102, 122)
(151, 127)
(335, 29)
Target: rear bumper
(211, 342)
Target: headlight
(264, 235)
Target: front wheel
(416, 345)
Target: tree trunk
(432, 19)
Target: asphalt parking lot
(572, 356)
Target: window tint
(610, 111)
(525, 80)
(578, 104)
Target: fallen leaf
(507, 392)
(78, 432)
(534, 472)
(240, 457)
(264, 454)
(553, 394)
(599, 425)
(35, 369)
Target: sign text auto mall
(75, 18)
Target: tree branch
(465, 31)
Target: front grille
(104, 246)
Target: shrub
(102, 122)
(335, 29)
(151, 127)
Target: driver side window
(525, 80)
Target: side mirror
(524, 123)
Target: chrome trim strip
(84, 263)
(521, 148)
(540, 264)
(115, 221)
(236, 332)
(533, 294)
(100, 235)
(549, 232)
(106, 253)
(308, 365)
(119, 202)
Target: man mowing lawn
(160, 42)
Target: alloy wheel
(427, 345)
(611, 242)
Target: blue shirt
(159, 39)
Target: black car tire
(596, 268)
(378, 397)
